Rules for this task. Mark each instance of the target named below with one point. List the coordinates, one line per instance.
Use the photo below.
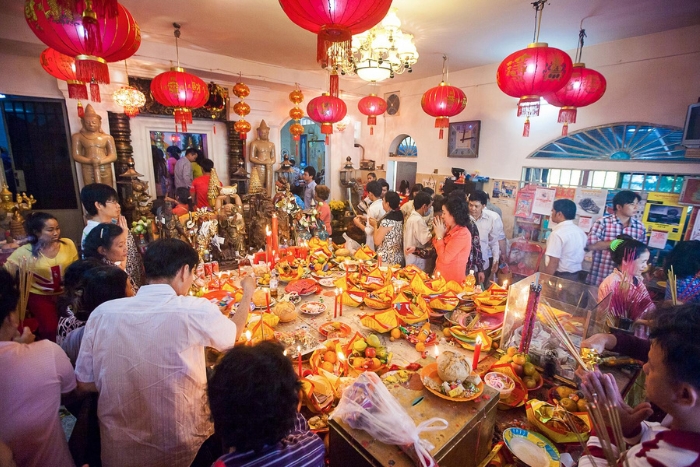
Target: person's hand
(248, 284)
(410, 250)
(373, 222)
(439, 227)
(26, 338)
(121, 222)
(480, 277)
(603, 388)
(600, 342)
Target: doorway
(398, 171)
(310, 150)
(34, 141)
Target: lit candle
(341, 359)
(505, 284)
(477, 352)
(275, 234)
(247, 337)
(335, 305)
(299, 359)
(437, 351)
(341, 301)
(268, 243)
(379, 261)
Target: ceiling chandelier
(130, 98)
(380, 53)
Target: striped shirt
(606, 229)
(655, 446)
(300, 448)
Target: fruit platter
(368, 354)
(451, 378)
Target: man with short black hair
(375, 211)
(145, 357)
(607, 228)
(309, 177)
(491, 233)
(370, 178)
(385, 187)
(271, 432)
(566, 243)
(182, 173)
(416, 233)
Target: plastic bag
(368, 405)
(351, 244)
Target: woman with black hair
(69, 301)
(47, 255)
(97, 286)
(107, 243)
(452, 240)
(631, 259)
(685, 260)
(160, 170)
(388, 232)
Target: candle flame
(268, 232)
(285, 352)
(341, 356)
(505, 284)
(248, 334)
(478, 340)
(437, 351)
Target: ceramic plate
(531, 448)
(272, 303)
(327, 282)
(312, 308)
(335, 330)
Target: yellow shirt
(196, 170)
(48, 272)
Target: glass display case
(577, 309)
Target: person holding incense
(270, 432)
(37, 378)
(630, 298)
(47, 255)
(452, 239)
(151, 376)
(672, 382)
(685, 261)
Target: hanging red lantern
(119, 36)
(371, 106)
(585, 87)
(296, 96)
(241, 108)
(326, 110)
(242, 127)
(62, 67)
(100, 7)
(176, 88)
(442, 102)
(335, 22)
(241, 90)
(295, 113)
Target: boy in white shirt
(375, 211)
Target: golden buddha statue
(262, 156)
(94, 150)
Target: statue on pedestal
(94, 150)
(262, 156)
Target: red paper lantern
(371, 106)
(181, 90)
(241, 90)
(295, 113)
(296, 96)
(531, 73)
(335, 22)
(118, 37)
(241, 108)
(242, 127)
(63, 67)
(585, 87)
(442, 102)
(326, 110)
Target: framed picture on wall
(463, 139)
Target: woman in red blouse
(452, 240)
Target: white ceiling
(470, 32)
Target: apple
(518, 369)
(370, 352)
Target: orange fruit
(357, 362)
(447, 332)
(376, 363)
(511, 351)
(330, 356)
(328, 366)
(396, 333)
(420, 347)
(519, 359)
(330, 345)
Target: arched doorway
(310, 150)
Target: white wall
(650, 79)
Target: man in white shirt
(416, 233)
(375, 211)
(145, 357)
(566, 243)
(491, 233)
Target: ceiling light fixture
(380, 53)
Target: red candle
(379, 261)
(341, 302)
(299, 359)
(335, 304)
(268, 244)
(477, 352)
(275, 233)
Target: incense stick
(672, 286)
(557, 329)
(572, 425)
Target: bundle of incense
(628, 301)
(533, 301)
(574, 429)
(672, 286)
(26, 279)
(598, 412)
(558, 330)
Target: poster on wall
(663, 212)
(658, 239)
(585, 223)
(695, 233)
(543, 201)
(504, 188)
(564, 193)
(523, 203)
(690, 194)
(590, 202)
